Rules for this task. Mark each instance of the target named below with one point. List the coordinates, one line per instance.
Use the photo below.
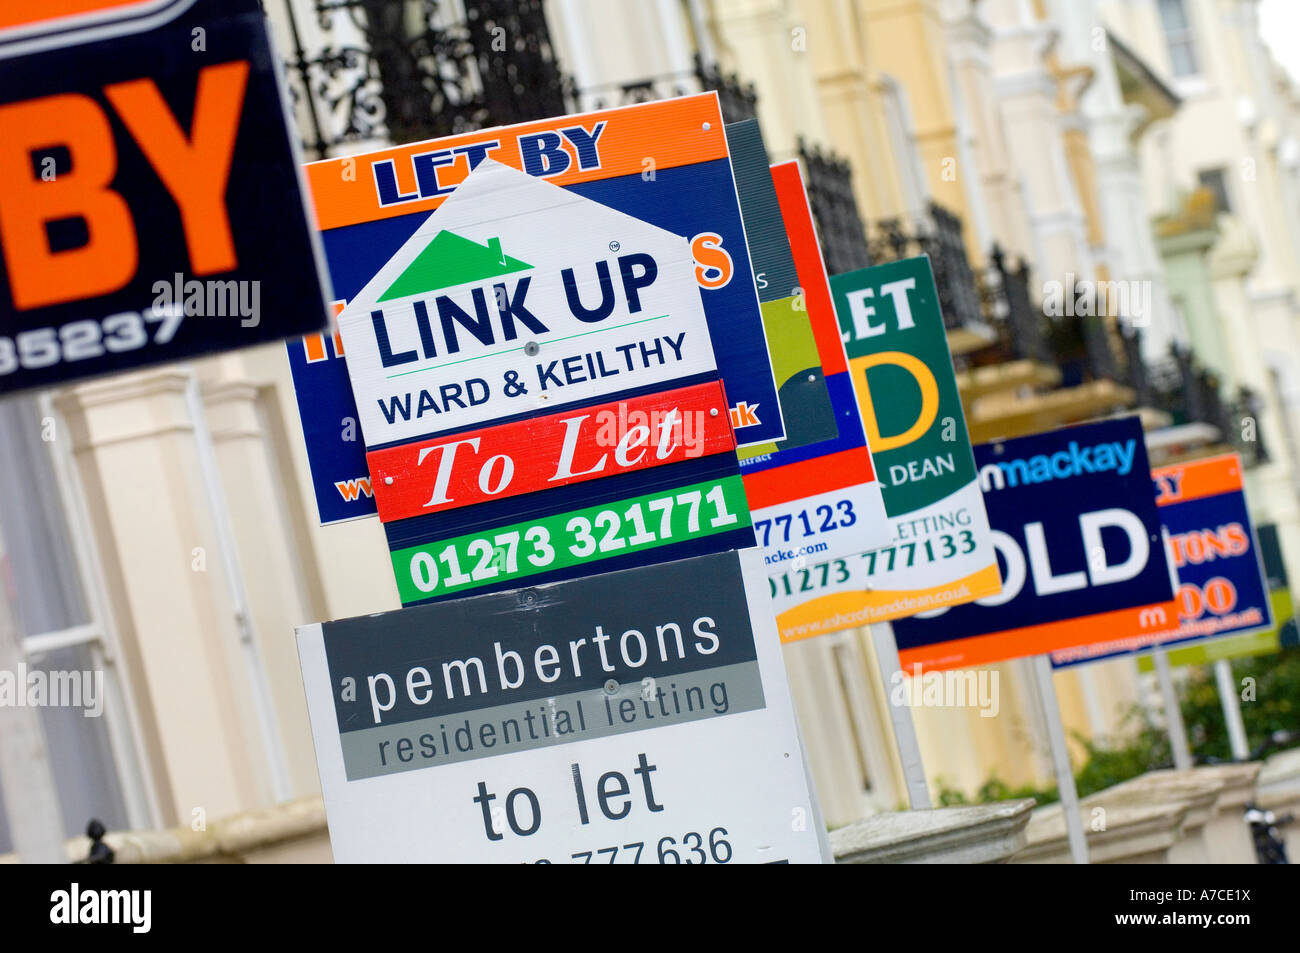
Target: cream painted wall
(353, 574)
(907, 40)
(1001, 185)
(771, 44)
(136, 453)
(194, 689)
(1235, 117)
(605, 44)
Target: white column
(277, 570)
(137, 459)
(1026, 93)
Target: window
(1178, 37)
(61, 617)
(1216, 180)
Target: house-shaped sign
(515, 297)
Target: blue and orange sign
(1079, 541)
(659, 164)
(1221, 585)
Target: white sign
(640, 716)
(515, 296)
(817, 528)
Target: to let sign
(631, 717)
(820, 501)
(484, 315)
(145, 150)
(545, 452)
(940, 548)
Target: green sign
(897, 346)
(567, 539)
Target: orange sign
(19, 13)
(632, 140)
(1183, 482)
(30, 26)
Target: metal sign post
(1231, 709)
(1061, 759)
(909, 750)
(1173, 714)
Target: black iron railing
(1191, 393)
(1247, 437)
(739, 100)
(1136, 373)
(835, 210)
(1009, 306)
(958, 293)
(405, 70)
(939, 235)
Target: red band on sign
(587, 443)
(796, 213)
(796, 481)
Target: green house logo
(452, 260)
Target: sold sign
(543, 452)
(1075, 523)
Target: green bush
(1275, 685)
(1274, 682)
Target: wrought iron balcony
(1082, 349)
(1247, 436)
(1022, 329)
(739, 100)
(939, 235)
(404, 70)
(830, 193)
(1191, 393)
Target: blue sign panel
(1079, 544)
(1221, 584)
(664, 165)
(335, 451)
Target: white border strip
(98, 25)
